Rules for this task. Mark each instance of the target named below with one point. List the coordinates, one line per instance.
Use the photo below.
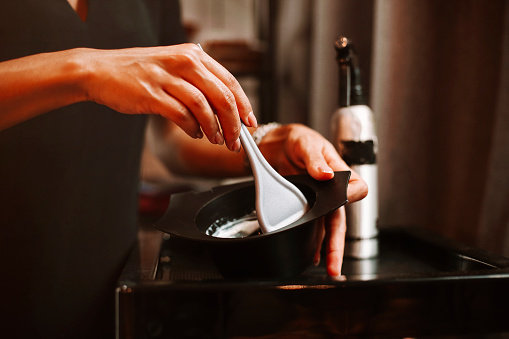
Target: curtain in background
(438, 77)
(440, 88)
(292, 49)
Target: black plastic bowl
(283, 253)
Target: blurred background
(437, 76)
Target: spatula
(278, 201)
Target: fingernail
(219, 139)
(198, 135)
(327, 170)
(251, 119)
(236, 146)
(338, 277)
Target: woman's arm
(180, 83)
(37, 84)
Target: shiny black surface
(419, 285)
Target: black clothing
(69, 178)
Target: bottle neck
(350, 87)
(345, 81)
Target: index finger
(242, 102)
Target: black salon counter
(420, 285)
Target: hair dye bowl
(285, 252)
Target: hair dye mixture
(237, 228)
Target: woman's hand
(180, 83)
(294, 149)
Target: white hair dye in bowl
(237, 228)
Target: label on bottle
(358, 152)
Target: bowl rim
(179, 219)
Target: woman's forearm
(36, 84)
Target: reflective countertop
(419, 284)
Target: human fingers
(315, 156)
(202, 84)
(194, 100)
(243, 104)
(222, 102)
(357, 187)
(321, 236)
(321, 160)
(335, 223)
(180, 115)
(229, 101)
(307, 148)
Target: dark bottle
(354, 136)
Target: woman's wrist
(259, 135)
(80, 66)
(263, 130)
(36, 84)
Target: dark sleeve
(172, 34)
(167, 21)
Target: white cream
(236, 228)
